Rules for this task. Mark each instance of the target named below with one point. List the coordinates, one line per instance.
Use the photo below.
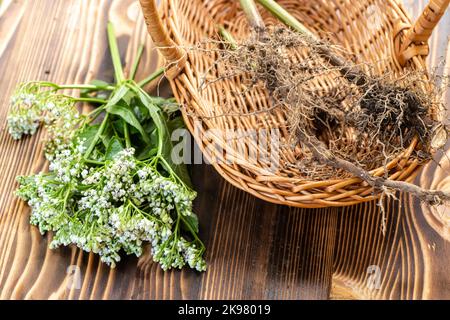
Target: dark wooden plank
(255, 249)
(410, 261)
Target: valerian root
(325, 156)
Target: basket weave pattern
(374, 30)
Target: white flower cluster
(67, 163)
(61, 119)
(115, 206)
(31, 106)
(26, 111)
(43, 196)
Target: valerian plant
(112, 185)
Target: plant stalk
(115, 55)
(136, 62)
(76, 86)
(151, 77)
(281, 14)
(97, 136)
(251, 11)
(92, 100)
(126, 131)
(85, 86)
(90, 161)
(228, 38)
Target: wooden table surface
(254, 249)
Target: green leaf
(118, 95)
(175, 123)
(107, 134)
(117, 126)
(152, 131)
(147, 152)
(192, 222)
(164, 143)
(97, 155)
(99, 83)
(128, 98)
(141, 112)
(95, 82)
(100, 93)
(127, 115)
(161, 101)
(88, 134)
(113, 148)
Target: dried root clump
(347, 119)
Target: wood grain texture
(254, 249)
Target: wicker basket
(372, 29)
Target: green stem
(151, 77)
(192, 231)
(168, 168)
(93, 100)
(66, 197)
(136, 62)
(281, 14)
(94, 113)
(175, 235)
(96, 137)
(145, 214)
(252, 13)
(85, 86)
(76, 86)
(127, 135)
(115, 55)
(100, 163)
(46, 84)
(228, 38)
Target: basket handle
(420, 32)
(176, 57)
